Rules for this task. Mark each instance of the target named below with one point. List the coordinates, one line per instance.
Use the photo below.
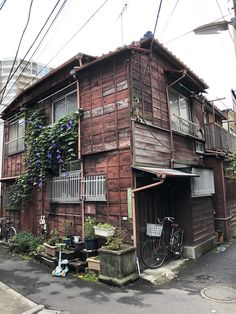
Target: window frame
(18, 147)
(66, 111)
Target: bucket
(76, 239)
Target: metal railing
(95, 188)
(218, 138)
(183, 126)
(67, 188)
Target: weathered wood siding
(202, 219)
(151, 138)
(117, 168)
(151, 146)
(104, 97)
(185, 150)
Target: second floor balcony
(218, 138)
(183, 126)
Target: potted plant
(104, 230)
(89, 235)
(50, 247)
(117, 260)
(93, 263)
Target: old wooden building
(145, 147)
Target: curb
(35, 309)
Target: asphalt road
(180, 295)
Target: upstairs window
(181, 114)
(15, 143)
(64, 105)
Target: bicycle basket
(154, 230)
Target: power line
(30, 47)
(168, 20)
(155, 27)
(2, 4)
(18, 48)
(223, 18)
(36, 49)
(75, 34)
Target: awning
(165, 172)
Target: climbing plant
(231, 169)
(46, 149)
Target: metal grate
(65, 189)
(95, 188)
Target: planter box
(90, 244)
(118, 267)
(93, 263)
(68, 255)
(104, 232)
(50, 249)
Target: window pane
(59, 109)
(13, 131)
(184, 107)
(174, 103)
(71, 103)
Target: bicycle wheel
(177, 244)
(153, 253)
(11, 232)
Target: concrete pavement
(180, 295)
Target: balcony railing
(218, 138)
(183, 126)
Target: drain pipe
(133, 204)
(81, 160)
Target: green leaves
(47, 148)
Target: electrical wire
(75, 34)
(18, 48)
(2, 4)
(168, 20)
(155, 27)
(31, 45)
(36, 49)
(223, 18)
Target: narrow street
(180, 295)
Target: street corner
(165, 273)
(11, 302)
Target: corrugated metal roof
(160, 172)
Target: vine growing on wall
(231, 169)
(46, 149)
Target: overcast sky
(211, 57)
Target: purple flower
(68, 125)
(49, 154)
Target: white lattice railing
(95, 188)
(67, 188)
(183, 126)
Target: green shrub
(116, 242)
(24, 242)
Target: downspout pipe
(143, 188)
(81, 160)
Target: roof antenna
(121, 22)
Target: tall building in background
(25, 74)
